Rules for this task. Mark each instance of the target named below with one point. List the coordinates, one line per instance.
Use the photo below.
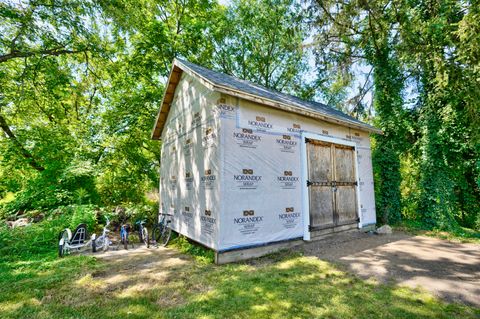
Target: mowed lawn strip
(152, 286)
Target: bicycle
(124, 232)
(162, 231)
(102, 241)
(77, 241)
(143, 233)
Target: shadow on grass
(165, 284)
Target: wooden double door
(331, 185)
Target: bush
(86, 214)
(200, 253)
(33, 240)
(74, 184)
(131, 213)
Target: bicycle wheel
(102, 243)
(62, 244)
(106, 243)
(61, 251)
(157, 233)
(166, 233)
(145, 236)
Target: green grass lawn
(282, 286)
(458, 234)
(34, 283)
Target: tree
(361, 33)
(426, 47)
(81, 83)
(261, 41)
(449, 112)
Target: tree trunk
(25, 153)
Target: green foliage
(86, 214)
(457, 233)
(388, 102)
(82, 82)
(424, 59)
(75, 184)
(387, 182)
(248, 47)
(200, 253)
(133, 212)
(33, 241)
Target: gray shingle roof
(234, 83)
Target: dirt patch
(449, 270)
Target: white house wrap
(243, 166)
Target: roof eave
(173, 79)
(165, 108)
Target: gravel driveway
(448, 270)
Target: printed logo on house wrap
(209, 138)
(226, 111)
(356, 137)
(207, 222)
(246, 138)
(189, 180)
(170, 136)
(187, 216)
(173, 150)
(288, 180)
(247, 179)
(173, 182)
(180, 129)
(287, 143)
(208, 180)
(248, 223)
(289, 217)
(188, 146)
(260, 124)
(295, 128)
(197, 119)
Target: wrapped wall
(261, 176)
(231, 169)
(190, 162)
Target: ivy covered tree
(363, 34)
(426, 48)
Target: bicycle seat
(80, 234)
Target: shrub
(33, 240)
(200, 253)
(86, 214)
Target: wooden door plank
(345, 196)
(320, 168)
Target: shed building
(246, 170)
